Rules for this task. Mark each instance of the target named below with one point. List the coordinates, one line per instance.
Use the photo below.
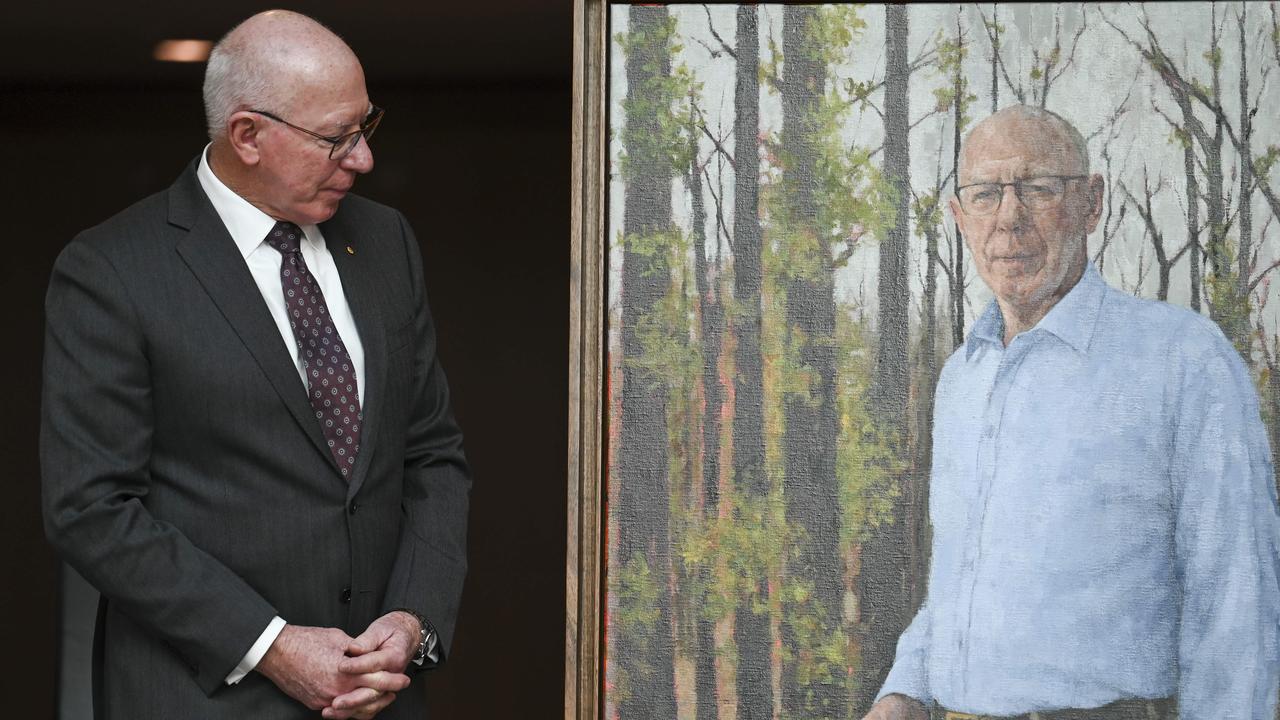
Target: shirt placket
(986, 467)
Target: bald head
(1049, 144)
(270, 61)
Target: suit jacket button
(351, 509)
(346, 595)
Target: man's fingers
(382, 681)
(365, 642)
(359, 703)
(371, 662)
(355, 699)
(376, 707)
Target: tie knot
(285, 237)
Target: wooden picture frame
(584, 548)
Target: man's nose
(360, 159)
(1012, 213)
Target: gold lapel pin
(351, 250)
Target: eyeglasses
(339, 145)
(1037, 193)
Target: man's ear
(957, 213)
(1096, 186)
(243, 130)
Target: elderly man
(1102, 504)
(247, 445)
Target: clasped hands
(344, 677)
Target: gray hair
(234, 80)
(254, 64)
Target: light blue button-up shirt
(1104, 519)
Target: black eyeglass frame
(1017, 186)
(336, 141)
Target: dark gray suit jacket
(185, 475)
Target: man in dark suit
(246, 440)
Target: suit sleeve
(95, 448)
(431, 560)
(1225, 540)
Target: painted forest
(785, 283)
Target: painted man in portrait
(1104, 518)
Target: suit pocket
(400, 338)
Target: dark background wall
(474, 149)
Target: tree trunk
(995, 57)
(1193, 219)
(1244, 263)
(885, 581)
(957, 271)
(751, 629)
(892, 373)
(711, 321)
(809, 439)
(645, 648)
(919, 533)
(1223, 308)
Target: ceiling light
(183, 50)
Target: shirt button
(345, 597)
(989, 432)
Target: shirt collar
(1071, 320)
(247, 224)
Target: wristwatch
(425, 633)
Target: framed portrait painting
(924, 352)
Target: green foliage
(639, 596)
(1200, 87)
(850, 197)
(741, 547)
(1180, 137)
(772, 64)
(820, 647)
(1231, 308)
(1263, 164)
(955, 83)
(1214, 57)
(868, 460)
(996, 29)
(664, 332)
(927, 209)
(653, 127)
(851, 194)
(833, 30)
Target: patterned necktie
(331, 378)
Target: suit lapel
(360, 285)
(213, 258)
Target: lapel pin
(351, 250)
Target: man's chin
(319, 212)
(1022, 291)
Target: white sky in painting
(1087, 94)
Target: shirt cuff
(907, 677)
(259, 649)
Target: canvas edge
(584, 548)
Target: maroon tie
(331, 377)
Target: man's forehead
(993, 152)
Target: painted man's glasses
(339, 145)
(1038, 193)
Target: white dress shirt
(249, 227)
